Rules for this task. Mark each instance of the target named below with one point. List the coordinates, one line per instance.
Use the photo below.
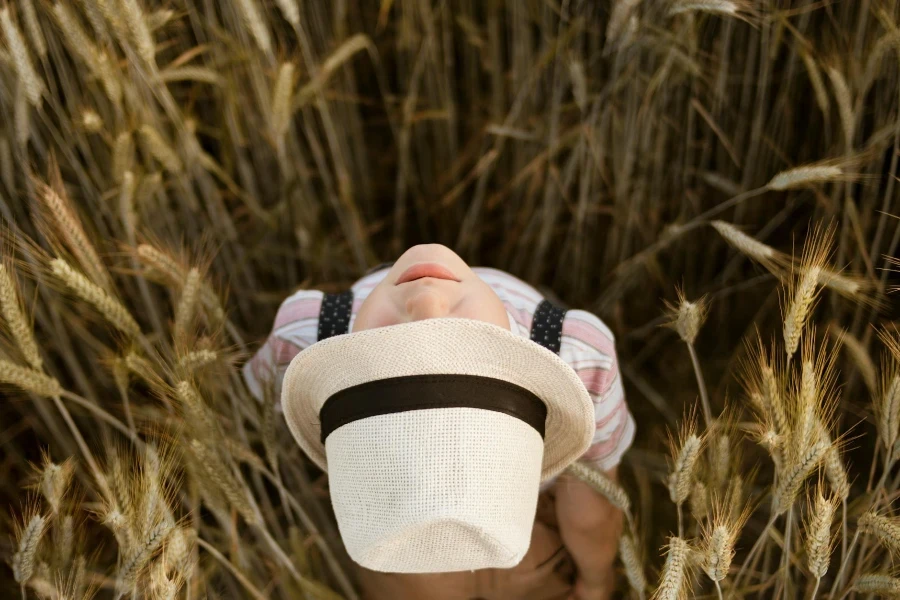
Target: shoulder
(581, 321)
(588, 346)
(300, 306)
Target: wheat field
(717, 180)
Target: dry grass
(170, 171)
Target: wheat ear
(116, 314)
(675, 571)
(186, 307)
(29, 538)
(804, 176)
(595, 478)
(634, 566)
(140, 33)
(28, 75)
(887, 530)
(794, 476)
(253, 18)
(882, 585)
(14, 316)
(819, 541)
(682, 476)
(29, 380)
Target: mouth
(421, 270)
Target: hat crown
(435, 490)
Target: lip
(427, 269)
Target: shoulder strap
(546, 326)
(334, 316)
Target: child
(429, 329)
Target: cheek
(375, 311)
(483, 304)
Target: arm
(590, 528)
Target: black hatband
(417, 392)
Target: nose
(427, 304)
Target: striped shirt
(587, 346)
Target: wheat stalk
(598, 480)
(110, 308)
(197, 359)
(29, 538)
(281, 101)
(140, 33)
(805, 176)
(836, 473)
(860, 357)
(133, 565)
(173, 273)
(185, 310)
(882, 585)
(28, 75)
(887, 530)
(674, 574)
(773, 399)
(721, 459)
(66, 539)
(19, 327)
(887, 405)
(78, 40)
(634, 567)
(160, 150)
(620, 16)
(291, 11)
(800, 307)
(682, 476)
(699, 500)
(254, 21)
(224, 479)
(122, 155)
(29, 380)
(33, 27)
(719, 7)
(807, 425)
(686, 317)
(819, 541)
(54, 481)
(59, 211)
(815, 79)
(749, 246)
(845, 103)
(794, 475)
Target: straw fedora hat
(436, 435)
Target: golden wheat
(28, 75)
(819, 541)
(882, 585)
(634, 568)
(29, 380)
(113, 311)
(674, 577)
(611, 490)
(19, 327)
(886, 529)
(28, 539)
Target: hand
(585, 590)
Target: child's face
(426, 297)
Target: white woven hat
(436, 435)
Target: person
(574, 535)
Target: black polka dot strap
(334, 316)
(546, 327)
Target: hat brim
(439, 346)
